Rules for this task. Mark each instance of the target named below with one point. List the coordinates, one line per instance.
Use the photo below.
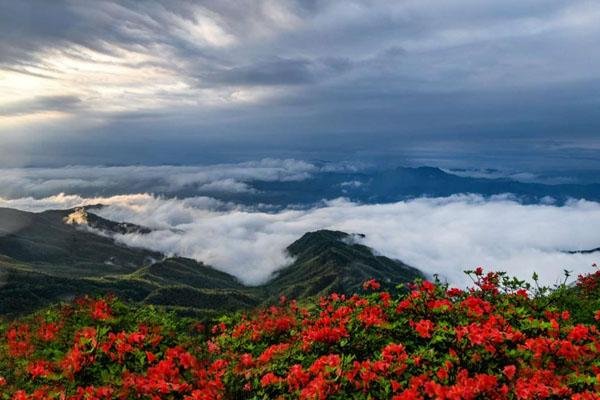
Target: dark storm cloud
(278, 71)
(352, 77)
(40, 104)
(31, 26)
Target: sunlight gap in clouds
(203, 28)
(128, 78)
(37, 117)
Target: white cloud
(353, 184)
(525, 177)
(441, 235)
(231, 178)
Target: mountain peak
(328, 261)
(80, 216)
(319, 238)
(430, 172)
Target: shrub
(500, 339)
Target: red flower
(271, 351)
(39, 368)
(19, 395)
(427, 287)
(522, 293)
(372, 316)
(509, 371)
(72, 363)
(297, 377)
(424, 328)
(454, 292)
(150, 357)
(385, 298)
(246, 360)
(270, 379)
(326, 364)
(578, 333)
(442, 374)
(47, 331)
(371, 284)
(19, 341)
(100, 310)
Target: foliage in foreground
(501, 339)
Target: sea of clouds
(437, 235)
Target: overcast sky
(433, 82)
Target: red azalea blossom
(39, 368)
(372, 316)
(371, 284)
(493, 341)
(424, 328)
(270, 379)
(100, 310)
(509, 371)
(47, 331)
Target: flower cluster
(493, 341)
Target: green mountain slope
(56, 255)
(328, 261)
(45, 240)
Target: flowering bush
(500, 339)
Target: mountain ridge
(55, 255)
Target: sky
(449, 83)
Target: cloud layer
(441, 235)
(220, 178)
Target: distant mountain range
(55, 255)
(328, 181)
(391, 185)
